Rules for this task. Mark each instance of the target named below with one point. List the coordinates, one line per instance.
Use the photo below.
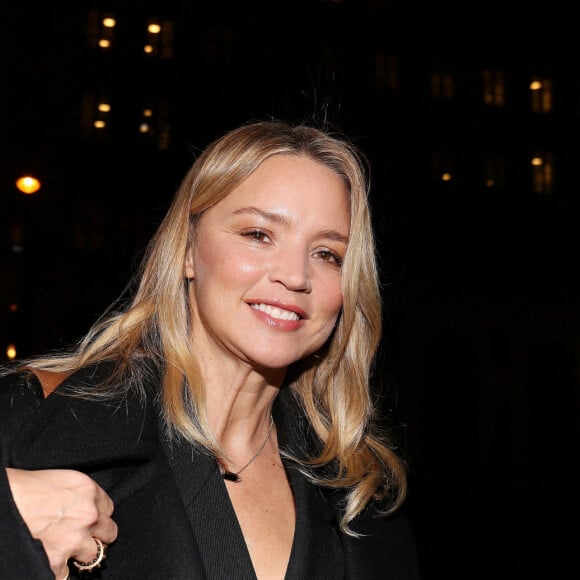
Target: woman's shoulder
(16, 383)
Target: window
(101, 30)
(442, 84)
(543, 173)
(386, 71)
(95, 116)
(159, 39)
(494, 172)
(154, 128)
(493, 88)
(442, 167)
(541, 95)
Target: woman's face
(266, 265)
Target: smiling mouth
(276, 312)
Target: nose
(292, 270)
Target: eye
(329, 257)
(256, 235)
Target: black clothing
(173, 513)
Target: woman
(226, 411)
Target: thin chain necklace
(235, 477)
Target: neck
(239, 404)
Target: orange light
(535, 85)
(148, 48)
(154, 28)
(537, 161)
(109, 22)
(104, 43)
(446, 176)
(100, 124)
(11, 352)
(28, 184)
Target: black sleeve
(21, 556)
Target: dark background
(478, 370)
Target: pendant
(229, 476)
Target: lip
(278, 323)
(279, 304)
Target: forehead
(291, 175)
(293, 187)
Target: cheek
(331, 301)
(225, 276)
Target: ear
(188, 264)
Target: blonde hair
(331, 386)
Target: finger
(61, 572)
(103, 502)
(87, 551)
(105, 529)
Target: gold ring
(96, 562)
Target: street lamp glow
(28, 184)
(11, 352)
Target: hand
(63, 509)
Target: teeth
(275, 312)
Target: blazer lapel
(316, 551)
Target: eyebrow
(283, 220)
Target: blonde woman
(220, 425)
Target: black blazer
(119, 445)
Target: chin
(268, 361)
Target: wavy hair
(332, 386)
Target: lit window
(543, 173)
(100, 29)
(95, 116)
(442, 167)
(159, 39)
(442, 84)
(541, 95)
(493, 88)
(154, 127)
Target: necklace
(235, 477)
